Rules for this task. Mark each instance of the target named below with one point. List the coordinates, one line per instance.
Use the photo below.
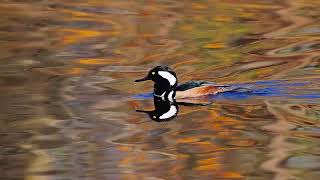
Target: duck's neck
(160, 89)
(164, 91)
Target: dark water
(68, 99)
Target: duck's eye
(153, 73)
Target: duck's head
(164, 78)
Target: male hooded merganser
(166, 85)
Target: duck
(166, 85)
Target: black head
(164, 77)
(164, 110)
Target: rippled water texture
(68, 99)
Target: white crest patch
(173, 110)
(170, 96)
(168, 76)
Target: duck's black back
(190, 85)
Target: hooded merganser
(166, 85)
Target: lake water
(69, 101)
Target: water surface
(68, 98)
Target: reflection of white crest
(168, 76)
(173, 110)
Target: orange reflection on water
(67, 71)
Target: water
(68, 98)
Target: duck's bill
(143, 79)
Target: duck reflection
(165, 110)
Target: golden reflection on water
(67, 71)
